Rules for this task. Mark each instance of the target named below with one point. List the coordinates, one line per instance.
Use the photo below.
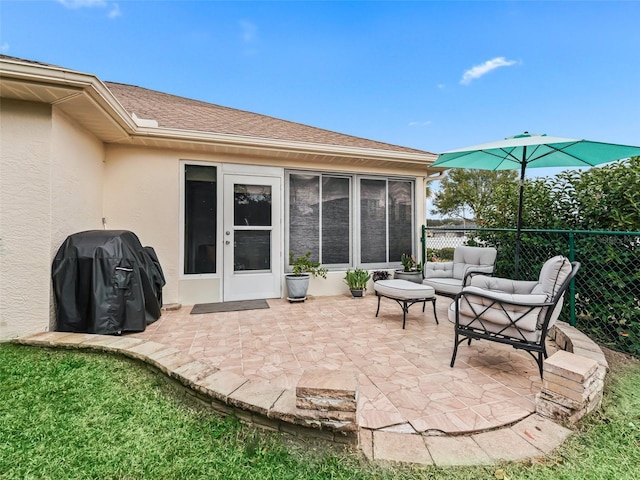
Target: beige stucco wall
(77, 170)
(142, 194)
(76, 165)
(25, 191)
(50, 187)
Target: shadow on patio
(406, 384)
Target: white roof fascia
(283, 145)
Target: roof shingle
(174, 112)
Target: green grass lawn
(79, 415)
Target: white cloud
(82, 3)
(4, 48)
(441, 86)
(114, 8)
(484, 68)
(420, 124)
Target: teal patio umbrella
(531, 150)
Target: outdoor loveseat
(448, 278)
(517, 313)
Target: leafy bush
(599, 199)
(440, 255)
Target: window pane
(373, 225)
(304, 215)
(252, 205)
(400, 220)
(200, 200)
(336, 214)
(252, 250)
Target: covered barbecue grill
(106, 282)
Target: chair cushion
(403, 290)
(438, 269)
(501, 313)
(504, 284)
(446, 285)
(530, 336)
(553, 274)
(474, 255)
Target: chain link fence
(603, 300)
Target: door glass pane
(200, 219)
(373, 242)
(335, 220)
(252, 205)
(252, 250)
(304, 215)
(400, 220)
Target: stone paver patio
(406, 384)
(411, 406)
(303, 368)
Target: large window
(320, 217)
(386, 220)
(200, 219)
(321, 212)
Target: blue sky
(429, 75)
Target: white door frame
(251, 284)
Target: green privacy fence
(603, 300)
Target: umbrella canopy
(529, 150)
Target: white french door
(251, 237)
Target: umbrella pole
(523, 167)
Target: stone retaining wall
(328, 403)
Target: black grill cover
(106, 282)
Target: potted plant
(380, 275)
(298, 281)
(411, 270)
(357, 280)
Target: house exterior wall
(76, 165)
(25, 192)
(50, 187)
(142, 193)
